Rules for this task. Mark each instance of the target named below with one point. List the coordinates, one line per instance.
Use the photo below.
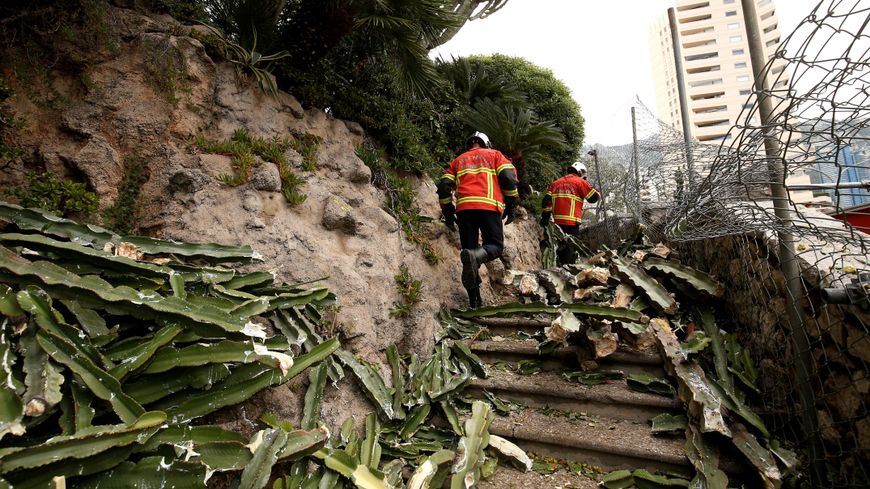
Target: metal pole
(636, 163)
(601, 204)
(684, 97)
(776, 169)
(864, 184)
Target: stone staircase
(604, 425)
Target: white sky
(598, 48)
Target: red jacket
(482, 179)
(565, 199)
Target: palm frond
(405, 28)
(388, 24)
(473, 83)
(513, 129)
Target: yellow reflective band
(590, 194)
(573, 203)
(511, 193)
(449, 176)
(548, 209)
(566, 218)
(572, 197)
(480, 200)
(445, 200)
(502, 167)
(475, 170)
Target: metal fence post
(602, 193)
(776, 168)
(683, 93)
(634, 161)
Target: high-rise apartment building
(716, 65)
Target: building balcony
(693, 6)
(694, 17)
(695, 30)
(695, 47)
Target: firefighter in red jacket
(564, 200)
(486, 192)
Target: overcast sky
(598, 48)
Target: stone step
(550, 389)
(510, 478)
(508, 326)
(595, 440)
(562, 358)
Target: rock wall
(340, 235)
(838, 336)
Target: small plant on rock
(307, 147)
(410, 290)
(242, 147)
(400, 200)
(166, 71)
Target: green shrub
(122, 216)
(60, 196)
(410, 290)
(184, 10)
(411, 129)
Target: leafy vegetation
(112, 366)
(249, 60)
(307, 147)
(361, 60)
(122, 216)
(545, 95)
(61, 196)
(410, 290)
(80, 35)
(9, 123)
(166, 71)
(423, 134)
(242, 148)
(527, 113)
(400, 200)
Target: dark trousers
(564, 253)
(474, 224)
(571, 230)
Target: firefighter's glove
(545, 219)
(510, 212)
(448, 215)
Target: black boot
(474, 300)
(471, 261)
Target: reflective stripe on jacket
(482, 179)
(567, 195)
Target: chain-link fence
(780, 213)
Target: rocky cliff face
(161, 90)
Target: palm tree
(471, 83)
(250, 23)
(406, 29)
(515, 132)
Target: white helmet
(480, 138)
(580, 167)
